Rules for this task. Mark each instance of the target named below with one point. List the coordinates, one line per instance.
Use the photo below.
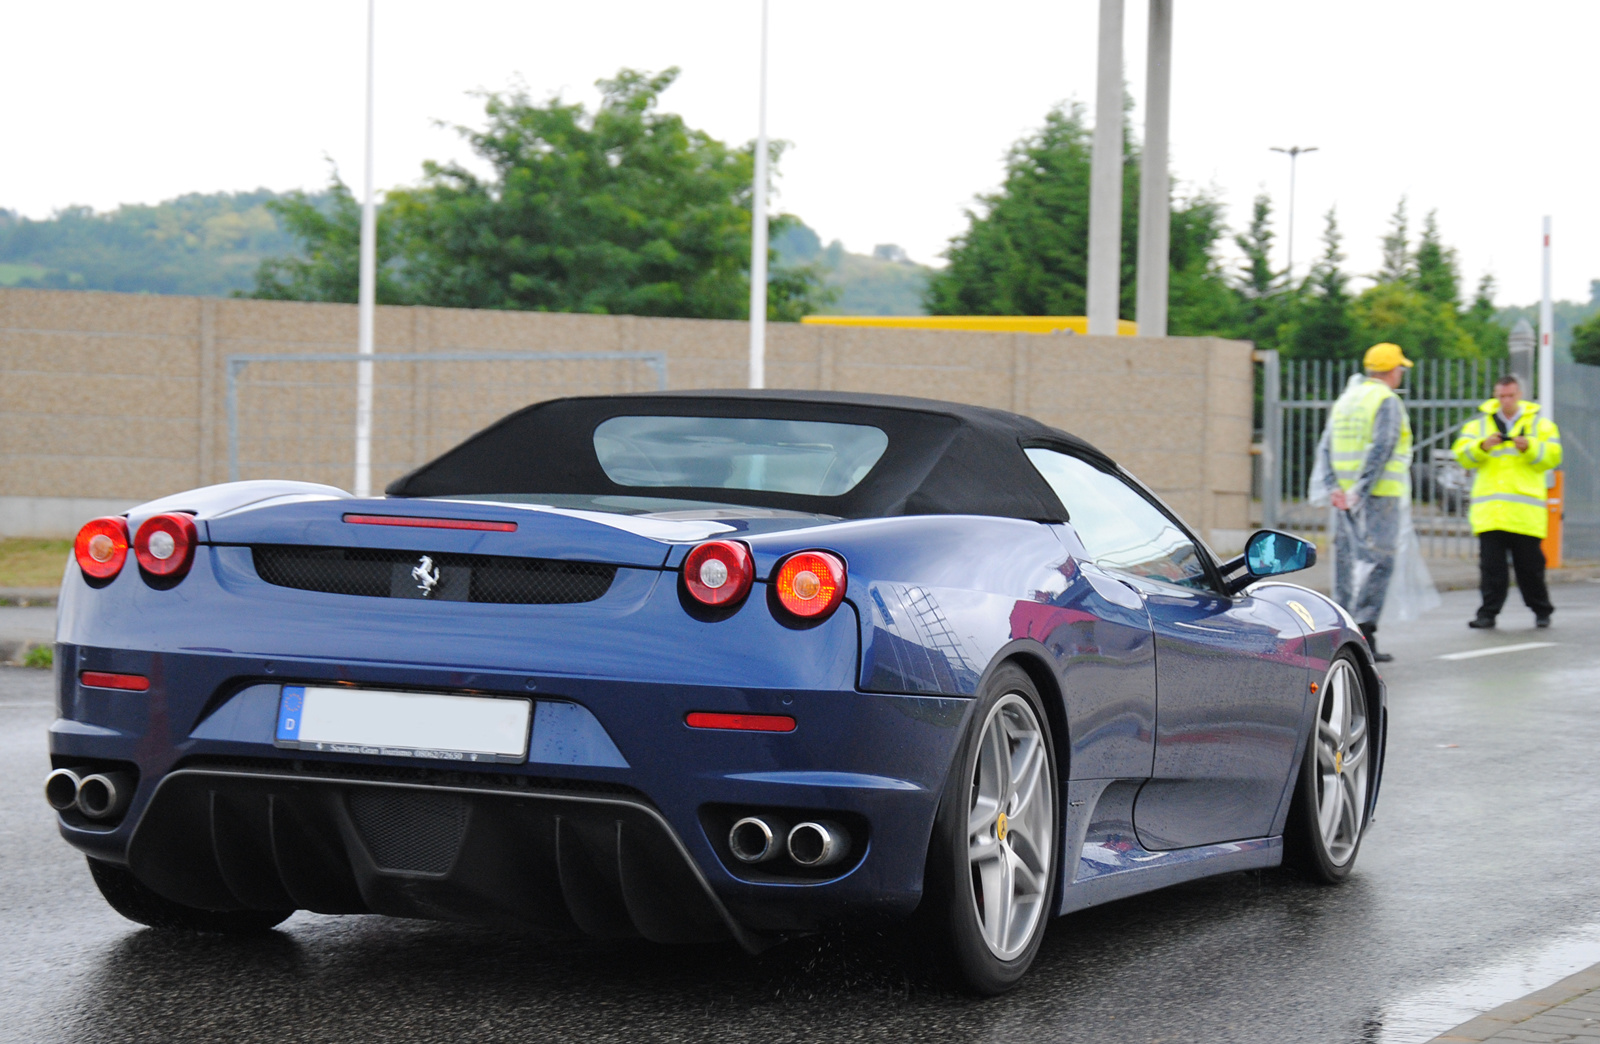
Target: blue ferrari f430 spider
(689, 667)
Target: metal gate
(294, 415)
(1578, 416)
(1440, 395)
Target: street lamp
(367, 295)
(758, 231)
(1293, 152)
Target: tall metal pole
(1105, 178)
(1547, 327)
(368, 292)
(1293, 152)
(758, 232)
(1155, 201)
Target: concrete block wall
(109, 399)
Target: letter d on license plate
(403, 724)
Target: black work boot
(1369, 631)
(1481, 623)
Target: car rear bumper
(222, 818)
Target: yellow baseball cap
(1381, 358)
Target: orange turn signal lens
(810, 584)
(102, 547)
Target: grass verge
(41, 656)
(32, 562)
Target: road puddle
(1429, 1012)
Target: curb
(29, 595)
(14, 650)
(1513, 1013)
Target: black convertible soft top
(943, 458)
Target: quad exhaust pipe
(756, 839)
(98, 795)
(811, 844)
(816, 843)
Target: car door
(1231, 677)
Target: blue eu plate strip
(289, 708)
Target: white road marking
(1519, 647)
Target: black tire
(138, 903)
(1307, 846)
(950, 910)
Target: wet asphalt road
(1479, 881)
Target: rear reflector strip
(740, 722)
(105, 680)
(413, 522)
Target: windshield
(810, 458)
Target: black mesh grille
(417, 831)
(455, 578)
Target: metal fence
(1577, 414)
(1440, 395)
(294, 415)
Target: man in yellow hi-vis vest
(1366, 456)
(1511, 447)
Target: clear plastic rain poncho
(1411, 589)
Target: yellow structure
(1035, 324)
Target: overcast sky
(899, 114)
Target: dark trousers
(1527, 557)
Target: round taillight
(810, 584)
(164, 545)
(718, 573)
(102, 547)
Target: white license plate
(403, 724)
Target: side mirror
(1271, 553)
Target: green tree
(1586, 341)
(625, 209)
(1264, 293)
(1481, 323)
(1396, 265)
(1434, 268)
(1025, 248)
(1423, 327)
(1321, 326)
(329, 226)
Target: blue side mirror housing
(1271, 553)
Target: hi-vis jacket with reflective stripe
(1509, 491)
(1353, 438)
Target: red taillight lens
(719, 573)
(107, 680)
(739, 722)
(102, 547)
(810, 584)
(164, 545)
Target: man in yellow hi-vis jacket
(1511, 447)
(1366, 458)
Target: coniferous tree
(1323, 327)
(1434, 268)
(1396, 264)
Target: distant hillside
(886, 282)
(210, 246)
(207, 245)
(1567, 314)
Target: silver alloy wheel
(1342, 744)
(1010, 826)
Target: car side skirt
(1105, 861)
